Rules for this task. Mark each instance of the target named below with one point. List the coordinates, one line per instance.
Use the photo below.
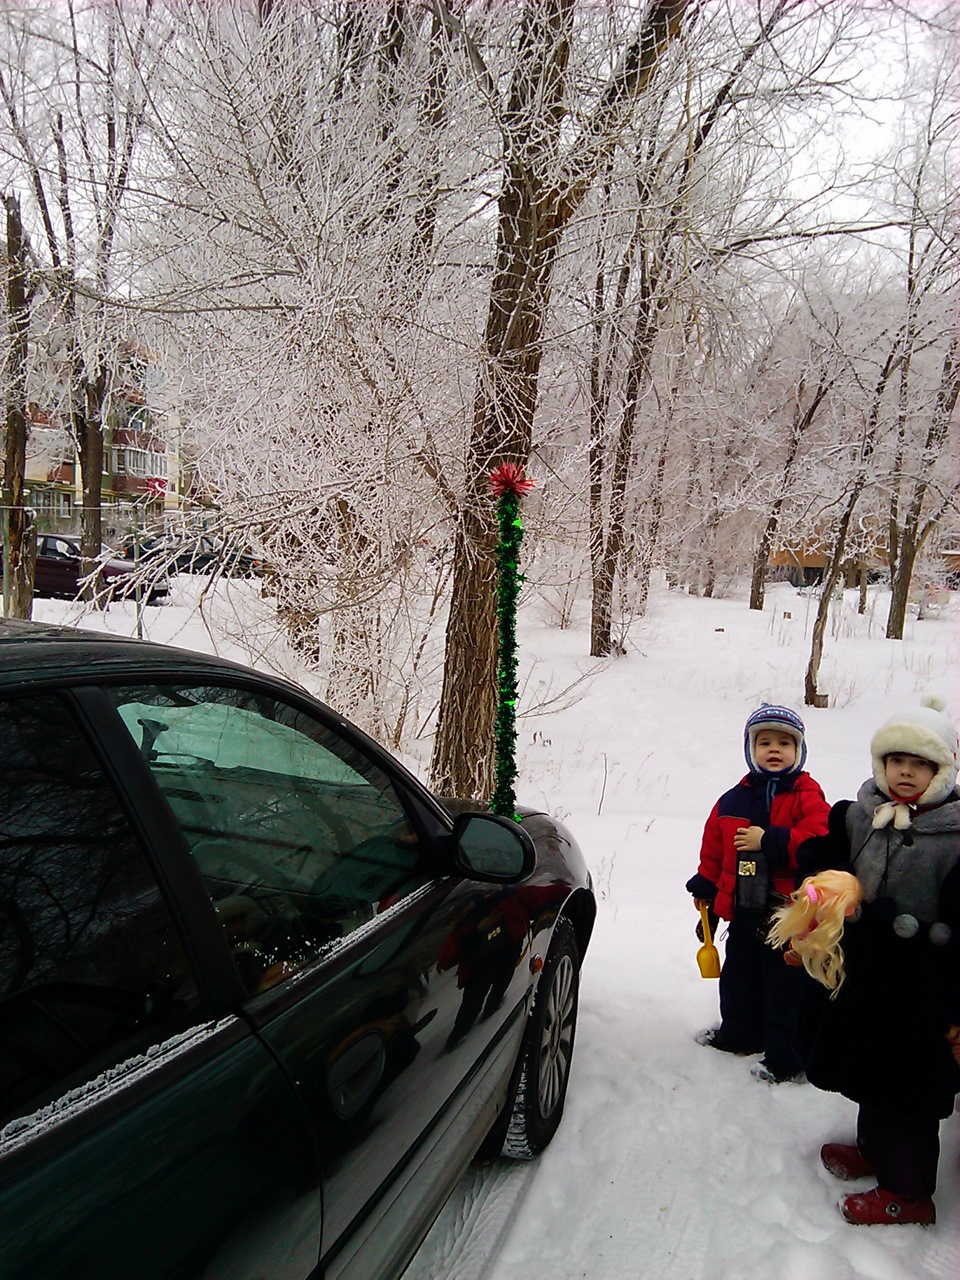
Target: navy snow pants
(904, 1149)
(760, 995)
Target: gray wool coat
(882, 1041)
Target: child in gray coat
(890, 1040)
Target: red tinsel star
(509, 476)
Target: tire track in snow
(465, 1239)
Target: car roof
(36, 653)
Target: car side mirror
(492, 848)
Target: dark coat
(793, 811)
(882, 1040)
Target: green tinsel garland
(508, 589)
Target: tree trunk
(811, 696)
(533, 210)
(354, 665)
(802, 418)
(899, 598)
(503, 430)
(601, 611)
(652, 535)
(708, 580)
(463, 762)
(638, 378)
(88, 430)
(915, 526)
(601, 592)
(19, 541)
(911, 541)
(762, 555)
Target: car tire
(547, 1050)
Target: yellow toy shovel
(708, 957)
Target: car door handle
(355, 1074)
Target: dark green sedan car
(262, 996)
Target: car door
(147, 1132)
(58, 567)
(41, 578)
(392, 992)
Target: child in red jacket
(747, 863)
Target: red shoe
(845, 1162)
(879, 1208)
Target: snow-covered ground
(672, 1163)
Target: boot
(716, 1039)
(878, 1208)
(845, 1162)
(770, 1073)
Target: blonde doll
(811, 921)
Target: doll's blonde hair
(811, 923)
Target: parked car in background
(59, 571)
(209, 554)
(262, 995)
(204, 554)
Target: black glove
(700, 887)
(832, 851)
(712, 920)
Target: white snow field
(672, 1163)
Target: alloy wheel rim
(556, 1041)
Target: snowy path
(672, 1163)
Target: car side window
(92, 972)
(300, 837)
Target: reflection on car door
(397, 1105)
(359, 961)
(142, 1139)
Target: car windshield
(63, 547)
(69, 547)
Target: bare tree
(809, 394)
(668, 245)
(865, 451)
(912, 522)
(924, 484)
(72, 89)
(544, 184)
(307, 275)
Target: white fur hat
(927, 732)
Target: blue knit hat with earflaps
(770, 716)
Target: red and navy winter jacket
(790, 809)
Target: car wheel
(547, 1050)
